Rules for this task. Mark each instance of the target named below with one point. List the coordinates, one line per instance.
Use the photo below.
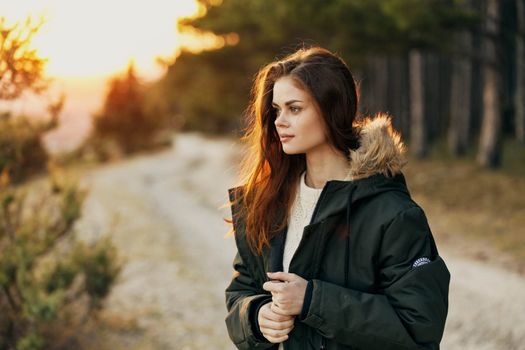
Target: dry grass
(464, 201)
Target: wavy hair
(269, 176)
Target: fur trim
(380, 148)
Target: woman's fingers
(276, 340)
(269, 313)
(266, 323)
(273, 326)
(275, 332)
(266, 313)
(279, 310)
(274, 335)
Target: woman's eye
(295, 109)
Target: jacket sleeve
(410, 308)
(243, 300)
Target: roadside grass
(464, 201)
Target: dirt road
(169, 228)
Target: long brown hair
(269, 176)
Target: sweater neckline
(312, 191)
(306, 191)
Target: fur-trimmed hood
(380, 149)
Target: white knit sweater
(300, 215)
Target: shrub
(126, 119)
(21, 151)
(48, 279)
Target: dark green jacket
(376, 280)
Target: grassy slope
(480, 212)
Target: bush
(21, 151)
(48, 279)
(127, 120)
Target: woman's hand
(288, 295)
(273, 326)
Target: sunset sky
(86, 42)
(98, 37)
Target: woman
(332, 251)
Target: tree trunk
(476, 99)
(398, 90)
(519, 93)
(366, 88)
(435, 105)
(459, 126)
(445, 69)
(489, 153)
(375, 84)
(380, 65)
(418, 141)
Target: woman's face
(297, 115)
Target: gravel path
(169, 227)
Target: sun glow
(87, 42)
(99, 38)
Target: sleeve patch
(421, 261)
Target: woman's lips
(286, 138)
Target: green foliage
(212, 88)
(97, 263)
(21, 151)
(365, 26)
(30, 342)
(21, 68)
(45, 273)
(126, 119)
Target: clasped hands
(276, 318)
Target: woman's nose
(280, 121)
